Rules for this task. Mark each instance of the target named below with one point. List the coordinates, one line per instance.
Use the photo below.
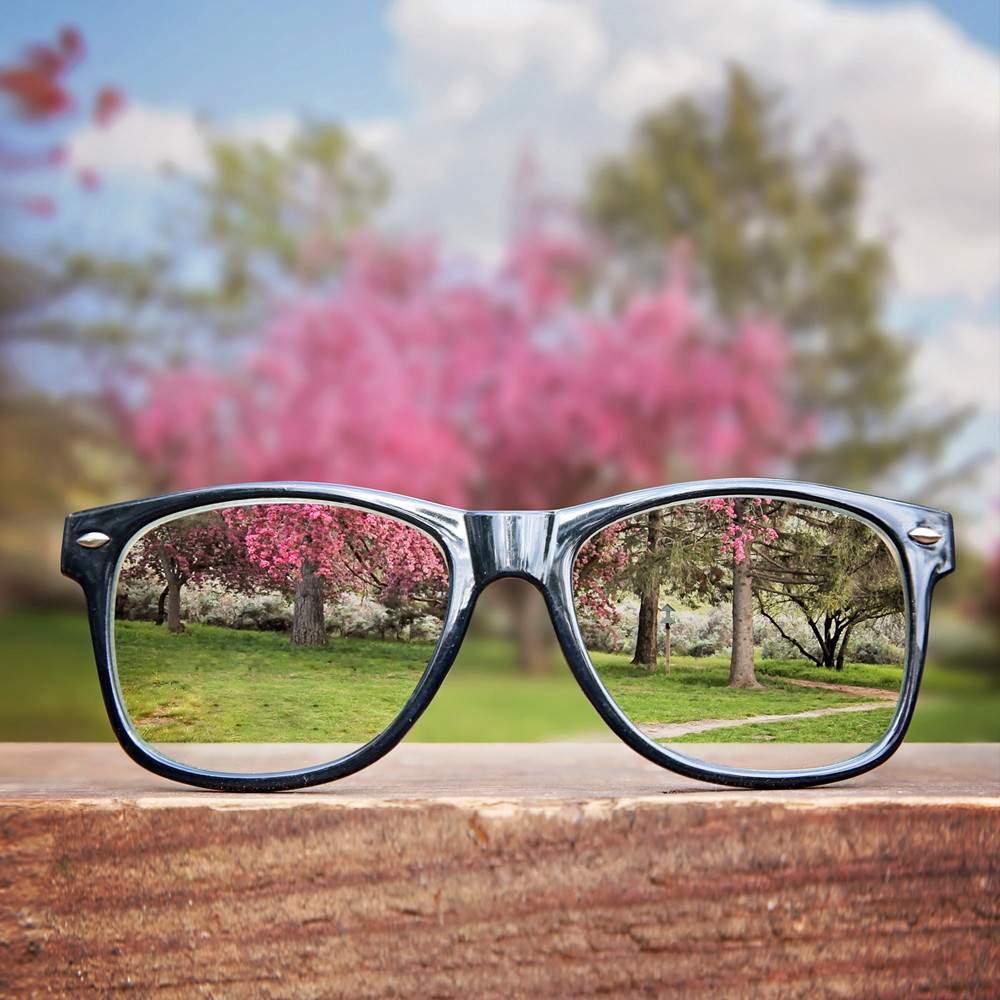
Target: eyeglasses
(750, 632)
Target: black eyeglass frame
(483, 546)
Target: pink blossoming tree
(189, 550)
(485, 391)
(309, 552)
(312, 551)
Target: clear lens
(750, 632)
(274, 636)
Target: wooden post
(556, 870)
(668, 620)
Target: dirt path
(843, 688)
(665, 730)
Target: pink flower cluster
(351, 550)
(596, 575)
(741, 528)
(199, 547)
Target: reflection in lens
(746, 631)
(274, 636)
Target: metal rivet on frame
(923, 535)
(93, 539)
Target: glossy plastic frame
(483, 546)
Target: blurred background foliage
(776, 234)
(716, 188)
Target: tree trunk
(842, 653)
(741, 668)
(828, 645)
(530, 627)
(308, 623)
(832, 643)
(173, 588)
(161, 607)
(645, 639)
(649, 599)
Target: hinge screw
(93, 539)
(923, 535)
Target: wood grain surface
(544, 870)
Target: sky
(450, 94)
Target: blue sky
(979, 19)
(230, 58)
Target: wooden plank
(550, 870)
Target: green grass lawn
(50, 690)
(858, 727)
(698, 689)
(218, 685)
(873, 675)
(212, 684)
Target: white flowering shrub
(208, 603)
(360, 618)
(356, 618)
(425, 628)
(703, 632)
(881, 641)
(774, 646)
(137, 601)
(614, 635)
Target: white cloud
(487, 48)
(376, 134)
(144, 139)
(962, 367)
(274, 130)
(921, 103)
(638, 81)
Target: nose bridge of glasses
(510, 543)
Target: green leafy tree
(827, 571)
(832, 571)
(267, 223)
(775, 233)
(285, 214)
